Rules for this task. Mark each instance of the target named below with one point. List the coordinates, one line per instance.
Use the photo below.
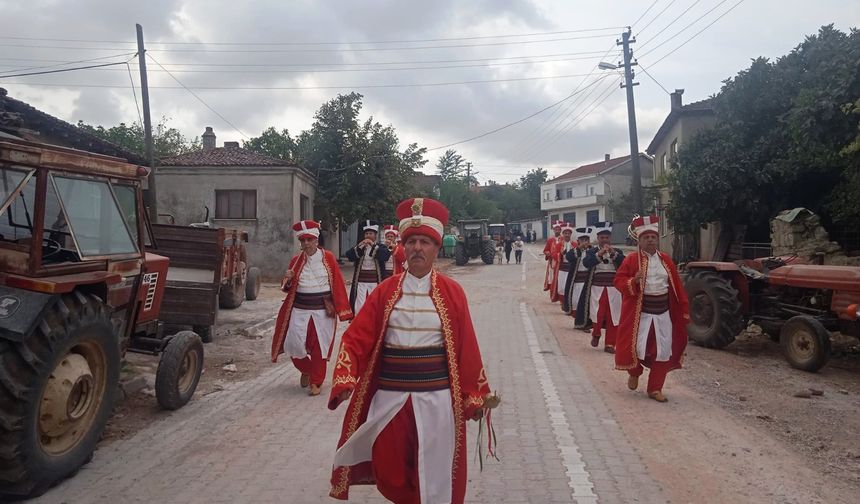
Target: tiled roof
(590, 169)
(223, 156)
(702, 107)
(25, 121)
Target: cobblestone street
(568, 429)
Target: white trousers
(614, 303)
(363, 289)
(297, 332)
(662, 332)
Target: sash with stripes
(580, 277)
(368, 276)
(603, 278)
(564, 266)
(655, 305)
(311, 301)
(417, 369)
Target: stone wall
(799, 231)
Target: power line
(133, 92)
(396, 69)
(482, 135)
(644, 13)
(60, 70)
(365, 49)
(334, 64)
(655, 18)
(682, 30)
(653, 79)
(405, 41)
(201, 100)
(62, 63)
(697, 33)
(301, 88)
(643, 44)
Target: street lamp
(607, 66)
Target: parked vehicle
(474, 241)
(498, 231)
(796, 304)
(77, 290)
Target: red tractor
(78, 289)
(797, 304)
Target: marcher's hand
(288, 277)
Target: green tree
(166, 141)
(531, 182)
(451, 166)
(274, 143)
(783, 138)
(361, 169)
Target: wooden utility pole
(149, 196)
(636, 190)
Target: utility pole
(149, 196)
(636, 190)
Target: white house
(581, 195)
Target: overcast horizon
(438, 72)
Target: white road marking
(582, 490)
(260, 325)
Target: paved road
(264, 440)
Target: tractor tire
(57, 390)
(179, 370)
(206, 333)
(488, 252)
(231, 296)
(715, 310)
(252, 284)
(805, 343)
(460, 255)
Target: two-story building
(679, 125)
(581, 196)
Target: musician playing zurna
(600, 300)
(369, 258)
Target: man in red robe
(316, 299)
(654, 312)
(396, 263)
(548, 255)
(410, 362)
(561, 265)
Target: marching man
(654, 312)
(604, 300)
(396, 263)
(411, 364)
(579, 273)
(369, 258)
(316, 299)
(548, 251)
(561, 263)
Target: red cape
(631, 308)
(557, 253)
(547, 255)
(338, 293)
(399, 259)
(358, 364)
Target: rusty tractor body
(81, 283)
(795, 303)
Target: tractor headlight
(853, 311)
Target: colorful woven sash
(564, 266)
(655, 305)
(311, 301)
(418, 369)
(603, 278)
(368, 276)
(580, 277)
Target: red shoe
(609, 349)
(595, 340)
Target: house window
(663, 164)
(546, 196)
(235, 204)
(591, 191)
(569, 192)
(553, 218)
(673, 149)
(592, 217)
(570, 218)
(304, 207)
(558, 194)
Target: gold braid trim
(475, 401)
(361, 393)
(643, 266)
(345, 380)
(453, 366)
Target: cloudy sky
(439, 71)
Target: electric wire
(61, 63)
(134, 92)
(697, 33)
(201, 100)
(61, 70)
(653, 79)
(644, 13)
(655, 18)
(476, 37)
(682, 30)
(672, 22)
(506, 126)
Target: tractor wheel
(57, 390)
(252, 284)
(715, 310)
(179, 370)
(488, 252)
(231, 296)
(460, 255)
(206, 333)
(805, 342)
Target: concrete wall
(183, 192)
